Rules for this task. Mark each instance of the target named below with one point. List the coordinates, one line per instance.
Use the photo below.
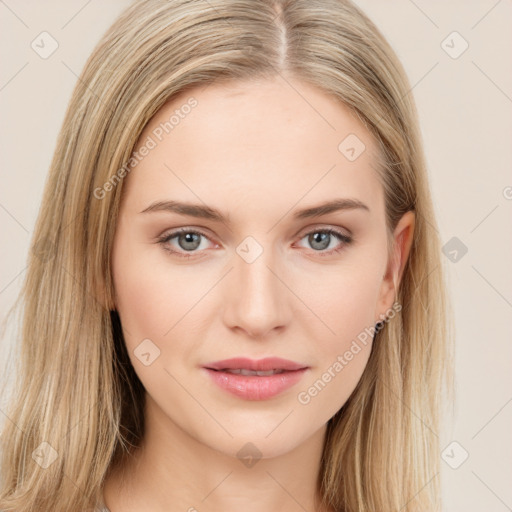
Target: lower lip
(254, 387)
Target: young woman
(235, 298)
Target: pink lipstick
(255, 379)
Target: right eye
(188, 240)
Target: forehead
(271, 141)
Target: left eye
(320, 243)
(190, 240)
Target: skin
(257, 151)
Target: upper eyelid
(306, 230)
(325, 227)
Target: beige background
(465, 107)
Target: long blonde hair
(77, 404)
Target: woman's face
(242, 170)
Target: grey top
(101, 507)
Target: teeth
(243, 371)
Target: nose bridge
(258, 301)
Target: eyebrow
(207, 212)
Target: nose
(256, 300)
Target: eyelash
(163, 240)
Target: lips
(255, 379)
(267, 364)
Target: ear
(402, 242)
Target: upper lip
(266, 364)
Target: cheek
(346, 303)
(330, 386)
(151, 294)
(155, 303)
